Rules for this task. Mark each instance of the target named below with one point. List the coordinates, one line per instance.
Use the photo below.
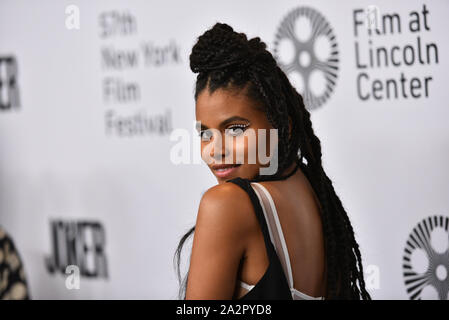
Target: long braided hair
(224, 58)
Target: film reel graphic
(306, 61)
(437, 271)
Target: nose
(219, 149)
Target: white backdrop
(91, 90)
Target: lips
(224, 170)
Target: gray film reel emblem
(420, 239)
(329, 66)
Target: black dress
(274, 284)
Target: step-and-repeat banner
(93, 95)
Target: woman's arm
(219, 243)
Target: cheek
(263, 146)
(240, 149)
(202, 151)
(271, 141)
(206, 151)
(246, 148)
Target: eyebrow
(225, 122)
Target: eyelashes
(239, 127)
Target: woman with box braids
(223, 57)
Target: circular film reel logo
(306, 49)
(426, 260)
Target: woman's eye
(205, 135)
(236, 130)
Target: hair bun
(221, 47)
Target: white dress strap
(278, 240)
(246, 286)
(274, 226)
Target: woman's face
(229, 133)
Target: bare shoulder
(229, 205)
(220, 242)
